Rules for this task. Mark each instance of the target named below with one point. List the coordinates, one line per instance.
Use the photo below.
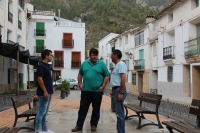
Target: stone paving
(63, 115)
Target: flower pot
(63, 94)
(35, 103)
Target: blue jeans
(41, 114)
(119, 109)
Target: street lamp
(130, 55)
(0, 32)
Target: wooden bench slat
(9, 130)
(194, 111)
(2, 130)
(154, 96)
(195, 102)
(30, 112)
(184, 124)
(139, 107)
(148, 100)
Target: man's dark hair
(45, 52)
(94, 51)
(118, 53)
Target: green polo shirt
(93, 75)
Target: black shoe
(93, 128)
(76, 129)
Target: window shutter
(197, 3)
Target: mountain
(103, 16)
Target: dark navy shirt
(44, 71)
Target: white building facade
(176, 51)
(14, 21)
(65, 38)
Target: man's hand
(120, 97)
(101, 89)
(80, 86)
(46, 95)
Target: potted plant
(35, 100)
(64, 88)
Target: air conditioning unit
(154, 91)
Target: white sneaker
(49, 131)
(114, 132)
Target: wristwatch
(121, 93)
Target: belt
(115, 87)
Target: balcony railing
(127, 63)
(10, 17)
(168, 53)
(19, 24)
(68, 43)
(76, 64)
(39, 32)
(59, 63)
(39, 49)
(139, 64)
(192, 47)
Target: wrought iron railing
(39, 49)
(68, 43)
(10, 17)
(75, 64)
(192, 47)
(39, 32)
(59, 63)
(19, 24)
(139, 64)
(168, 53)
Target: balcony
(10, 17)
(192, 50)
(112, 65)
(59, 63)
(139, 64)
(168, 53)
(67, 43)
(75, 64)
(19, 24)
(39, 49)
(39, 32)
(127, 63)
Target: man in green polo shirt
(95, 76)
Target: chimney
(150, 18)
(58, 14)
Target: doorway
(140, 83)
(11, 78)
(195, 82)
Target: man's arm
(104, 84)
(80, 81)
(122, 84)
(42, 86)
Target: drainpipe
(58, 14)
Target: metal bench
(9, 130)
(185, 127)
(139, 110)
(22, 100)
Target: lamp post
(0, 33)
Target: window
(170, 18)
(170, 74)
(40, 29)
(102, 49)
(68, 41)
(21, 3)
(106, 47)
(197, 3)
(58, 59)
(120, 41)
(106, 62)
(139, 38)
(39, 46)
(10, 15)
(19, 22)
(134, 79)
(76, 60)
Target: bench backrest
(195, 108)
(150, 98)
(21, 100)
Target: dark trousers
(86, 98)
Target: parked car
(73, 83)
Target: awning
(10, 50)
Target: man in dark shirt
(44, 91)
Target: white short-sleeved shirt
(115, 79)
